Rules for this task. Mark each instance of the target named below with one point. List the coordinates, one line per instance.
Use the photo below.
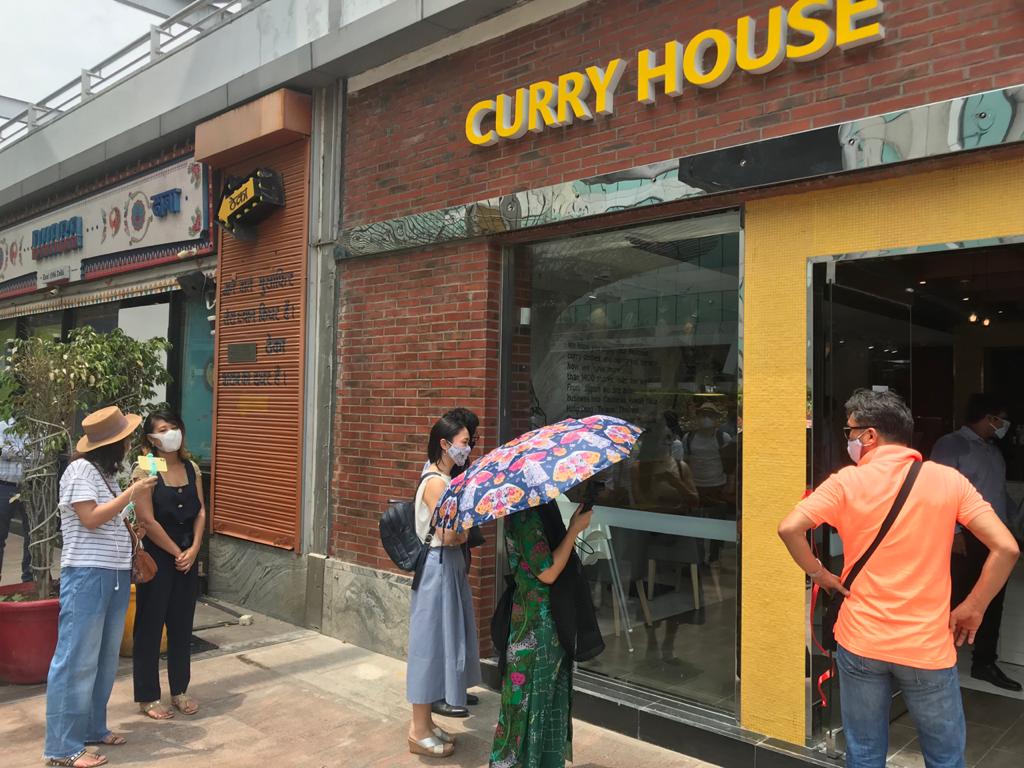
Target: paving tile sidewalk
(277, 696)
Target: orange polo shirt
(898, 608)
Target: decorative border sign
(706, 61)
(167, 207)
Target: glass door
(862, 339)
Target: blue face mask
(459, 454)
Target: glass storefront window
(196, 379)
(102, 318)
(47, 325)
(8, 333)
(643, 324)
(144, 322)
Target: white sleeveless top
(424, 513)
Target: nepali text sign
(164, 208)
(706, 61)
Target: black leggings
(170, 598)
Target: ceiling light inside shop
(923, 282)
(973, 317)
(986, 322)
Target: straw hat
(106, 426)
(711, 408)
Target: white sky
(47, 43)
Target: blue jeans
(93, 602)
(932, 696)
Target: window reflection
(643, 324)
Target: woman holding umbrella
(443, 649)
(546, 621)
(534, 728)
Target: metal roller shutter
(258, 413)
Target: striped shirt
(109, 545)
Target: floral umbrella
(535, 468)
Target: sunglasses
(848, 430)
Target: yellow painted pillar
(973, 201)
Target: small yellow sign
(146, 465)
(240, 197)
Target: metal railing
(190, 23)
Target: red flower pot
(28, 636)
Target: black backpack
(398, 531)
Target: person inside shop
(663, 480)
(470, 421)
(443, 657)
(175, 518)
(711, 454)
(95, 582)
(973, 451)
(10, 477)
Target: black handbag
(835, 600)
(501, 623)
(398, 531)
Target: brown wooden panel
(261, 300)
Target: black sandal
(72, 762)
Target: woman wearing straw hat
(95, 582)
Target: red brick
(396, 134)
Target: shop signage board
(800, 34)
(247, 201)
(166, 207)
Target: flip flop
(83, 759)
(110, 740)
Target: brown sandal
(76, 760)
(152, 709)
(430, 747)
(185, 704)
(110, 740)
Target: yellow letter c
(475, 118)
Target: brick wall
(418, 334)
(406, 150)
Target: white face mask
(856, 449)
(169, 441)
(459, 454)
(1002, 429)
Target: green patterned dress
(534, 726)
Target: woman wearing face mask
(175, 518)
(95, 580)
(443, 648)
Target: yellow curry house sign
(710, 58)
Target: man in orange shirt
(895, 624)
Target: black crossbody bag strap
(897, 506)
(433, 524)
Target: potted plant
(49, 385)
